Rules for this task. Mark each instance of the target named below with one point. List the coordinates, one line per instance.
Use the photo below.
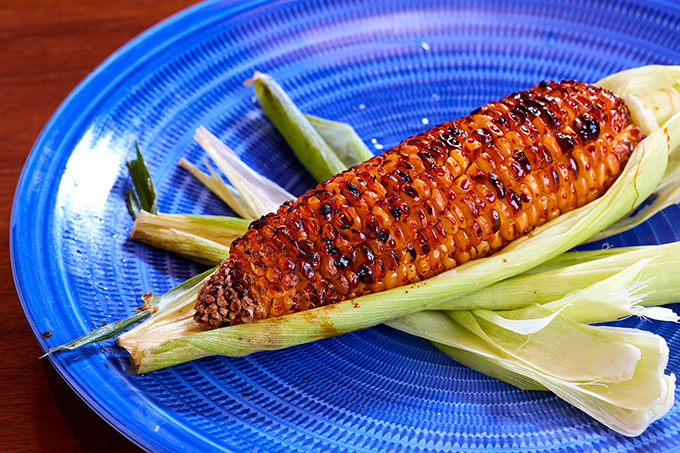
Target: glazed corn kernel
(457, 192)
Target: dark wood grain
(46, 48)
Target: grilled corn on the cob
(459, 191)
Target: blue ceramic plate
(390, 69)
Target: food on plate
(460, 191)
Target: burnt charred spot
(395, 211)
(425, 248)
(342, 262)
(496, 220)
(532, 108)
(450, 141)
(314, 258)
(405, 165)
(555, 176)
(297, 249)
(365, 274)
(546, 84)
(436, 152)
(479, 177)
(483, 136)
(545, 153)
(586, 127)
(520, 112)
(435, 145)
(524, 197)
(306, 269)
(551, 118)
(353, 189)
(497, 184)
(565, 142)
(404, 176)
(411, 251)
(330, 248)
(291, 209)
(370, 256)
(283, 234)
(306, 246)
(519, 171)
(411, 192)
(298, 224)
(428, 159)
(345, 222)
(477, 229)
(522, 159)
(502, 121)
(540, 109)
(394, 256)
(383, 235)
(258, 223)
(326, 210)
(372, 227)
(514, 200)
(456, 132)
(573, 165)
(322, 194)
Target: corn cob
(457, 192)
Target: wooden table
(46, 48)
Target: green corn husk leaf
(629, 422)
(166, 305)
(652, 94)
(174, 316)
(143, 196)
(246, 202)
(666, 194)
(615, 375)
(342, 139)
(102, 333)
(618, 296)
(532, 336)
(204, 239)
(305, 141)
(571, 271)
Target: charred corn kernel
(459, 191)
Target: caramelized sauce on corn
(457, 192)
